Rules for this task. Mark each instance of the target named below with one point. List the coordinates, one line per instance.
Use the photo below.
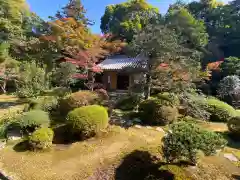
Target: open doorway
(122, 82)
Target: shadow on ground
(21, 146)
(231, 139)
(140, 165)
(237, 177)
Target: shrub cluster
(88, 120)
(41, 139)
(102, 93)
(152, 111)
(185, 139)
(47, 104)
(219, 110)
(169, 99)
(76, 100)
(128, 103)
(34, 119)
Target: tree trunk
(148, 86)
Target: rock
(160, 129)
(231, 157)
(148, 127)
(2, 145)
(14, 135)
(138, 126)
(122, 121)
(137, 120)
(129, 123)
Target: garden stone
(231, 157)
(14, 135)
(148, 127)
(129, 123)
(137, 120)
(160, 129)
(2, 145)
(122, 121)
(138, 126)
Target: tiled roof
(119, 62)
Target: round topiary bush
(41, 139)
(152, 111)
(234, 126)
(185, 139)
(102, 93)
(34, 119)
(128, 103)
(219, 110)
(88, 120)
(76, 100)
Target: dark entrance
(122, 82)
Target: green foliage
(34, 119)
(88, 120)
(230, 66)
(31, 80)
(169, 99)
(219, 110)
(128, 103)
(192, 29)
(152, 111)
(178, 172)
(126, 19)
(194, 105)
(234, 126)
(185, 139)
(41, 139)
(2, 131)
(76, 100)
(47, 104)
(62, 76)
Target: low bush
(185, 139)
(34, 119)
(58, 91)
(102, 93)
(153, 112)
(194, 105)
(234, 126)
(169, 99)
(48, 104)
(2, 131)
(41, 139)
(128, 103)
(219, 110)
(177, 171)
(88, 120)
(76, 100)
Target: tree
(230, 66)
(126, 19)
(168, 60)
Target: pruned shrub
(31, 80)
(34, 119)
(88, 120)
(194, 105)
(234, 126)
(48, 104)
(128, 103)
(168, 99)
(76, 100)
(153, 112)
(185, 139)
(41, 139)
(102, 93)
(219, 110)
(2, 131)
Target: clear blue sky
(95, 8)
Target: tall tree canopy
(125, 19)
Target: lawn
(117, 153)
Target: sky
(95, 8)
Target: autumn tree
(126, 19)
